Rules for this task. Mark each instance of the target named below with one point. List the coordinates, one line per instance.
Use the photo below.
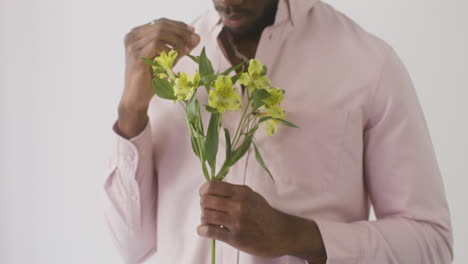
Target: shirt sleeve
(403, 179)
(131, 196)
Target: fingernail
(190, 28)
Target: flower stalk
(261, 106)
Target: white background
(61, 69)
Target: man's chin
(235, 30)
(244, 31)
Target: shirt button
(133, 197)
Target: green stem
(213, 172)
(202, 158)
(205, 171)
(236, 134)
(255, 119)
(200, 123)
(213, 248)
(199, 144)
(223, 169)
(244, 125)
(239, 127)
(247, 125)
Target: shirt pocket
(307, 158)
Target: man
(362, 140)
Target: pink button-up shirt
(363, 140)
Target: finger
(184, 31)
(176, 40)
(181, 25)
(150, 30)
(179, 35)
(215, 232)
(183, 44)
(219, 188)
(154, 49)
(213, 217)
(220, 204)
(162, 22)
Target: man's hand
(148, 41)
(249, 223)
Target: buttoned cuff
(128, 153)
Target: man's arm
(130, 188)
(130, 196)
(406, 189)
(403, 180)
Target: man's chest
(325, 96)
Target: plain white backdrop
(61, 76)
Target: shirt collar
(292, 11)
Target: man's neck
(247, 42)
(246, 47)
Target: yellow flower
(255, 67)
(255, 77)
(165, 60)
(276, 97)
(160, 75)
(185, 87)
(224, 97)
(271, 125)
(275, 111)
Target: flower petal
(270, 127)
(255, 67)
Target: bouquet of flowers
(262, 106)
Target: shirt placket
(271, 41)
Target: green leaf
(205, 67)
(163, 88)
(259, 158)
(196, 59)
(228, 145)
(212, 138)
(286, 123)
(195, 132)
(206, 80)
(258, 96)
(193, 139)
(193, 109)
(261, 94)
(265, 118)
(149, 62)
(233, 68)
(236, 77)
(205, 171)
(211, 109)
(256, 104)
(195, 146)
(241, 150)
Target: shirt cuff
(342, 241)
(128, 152)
